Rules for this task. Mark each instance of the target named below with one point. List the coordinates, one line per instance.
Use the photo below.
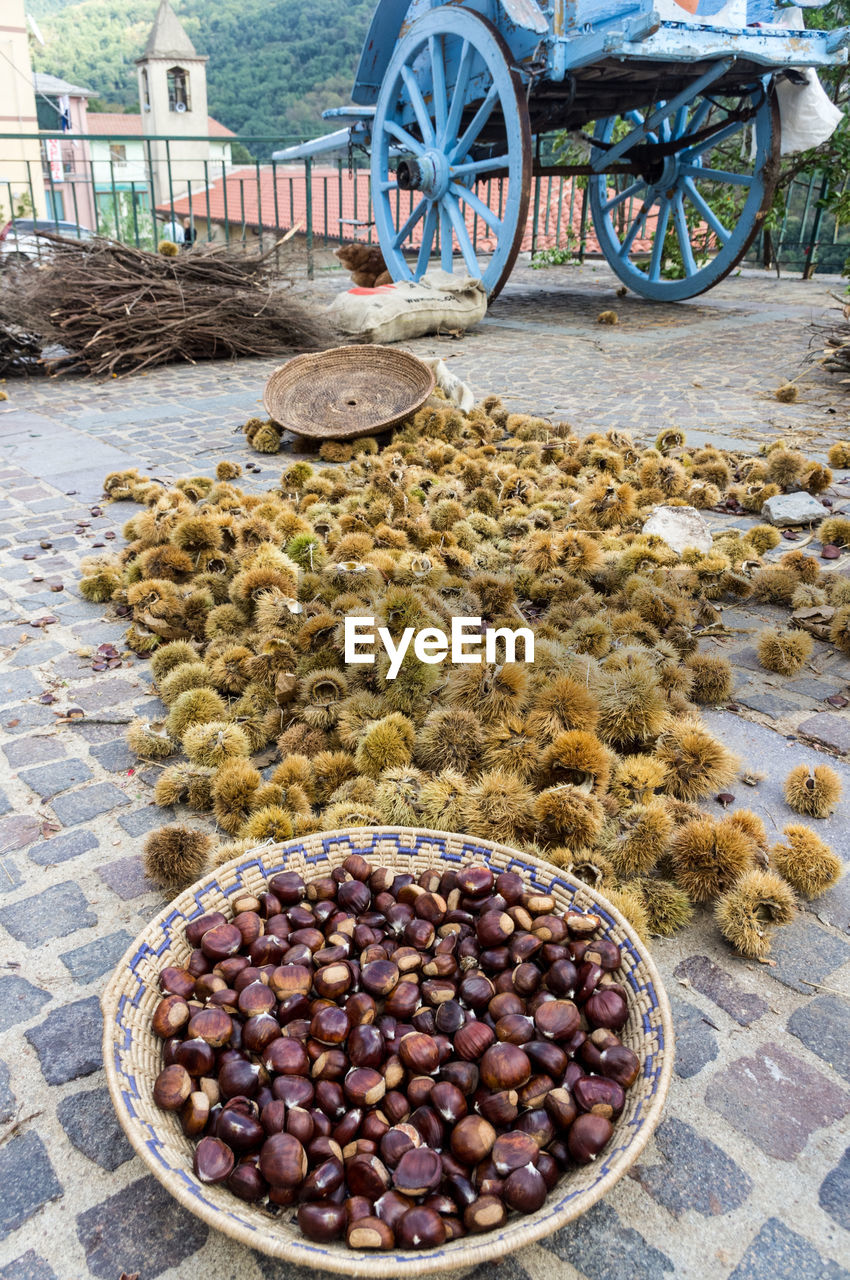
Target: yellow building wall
(20, 160)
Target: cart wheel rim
(705, 214)
(463, 178)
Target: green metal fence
(806, 238)
(138, 188)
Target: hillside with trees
(274, 65)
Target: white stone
(679, 527)
(793, 508)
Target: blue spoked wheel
(451, 151)
(680, 225)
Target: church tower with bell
(173, 101)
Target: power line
(24, 76)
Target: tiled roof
(238, 201)
(54, 86)
(129, 124)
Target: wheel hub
(428, 173)
(660, 172)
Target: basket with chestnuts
(384, 1057)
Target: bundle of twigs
(116, 309)
(20, 349)
(836, 341)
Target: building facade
(21, 183)
(173, 100)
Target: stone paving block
(96, 958)
(15, 685)
(834, 1194)
(777, 1251)
(68, 1041)
(26, 751)
(776, 1100)
(53, 913)
(600, 1246)
(115, 756)
(82, 806)
(34, 655)
(829, 729)
(823, 1025)
(151, 709)
(20, 1001)
(834, 907)
(802, 950)
(696, 1043)
(61, 848)
(721, 988)
(27, 1179)
(143, 1227)
(140, 821)
(126, 877)
(18, 831)
(11, 876)
(810, 687)
(29, 1266)
(50, 779)
(24, 716)
(5, 804)
(90, 1121)
(693, 1173)
(7, 1098)
(104, 695)
(769, 704)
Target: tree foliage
(274, 65)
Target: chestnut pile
(405, 1061)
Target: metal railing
(806, 238)
(158, 182)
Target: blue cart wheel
(451, 151)
(687, 219)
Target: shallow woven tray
(347, 392)
(133, 1054)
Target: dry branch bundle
(836, 340)
(116, 309)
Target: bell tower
(173, 101)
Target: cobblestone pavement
(748, 1176)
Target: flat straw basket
(133, 1054)
(347, 392)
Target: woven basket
(347, 392)
(133, 1054)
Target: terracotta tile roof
(129, 124)
(237, 201)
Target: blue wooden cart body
(450, 96)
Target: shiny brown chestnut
(504, 1066)
(485, 1213)
(170, 1016)
(283, 1160)
(472, 1139)
(369, 1233)
(525, 1189)
(587, 1136)
(213, 1161)
(418, 1172)
(322, 1221)
(420, 1228)
(172, 1087)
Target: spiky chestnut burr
(174, 857)
(784, 652)
(747, 913)
(813, 792)
(805, 861)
